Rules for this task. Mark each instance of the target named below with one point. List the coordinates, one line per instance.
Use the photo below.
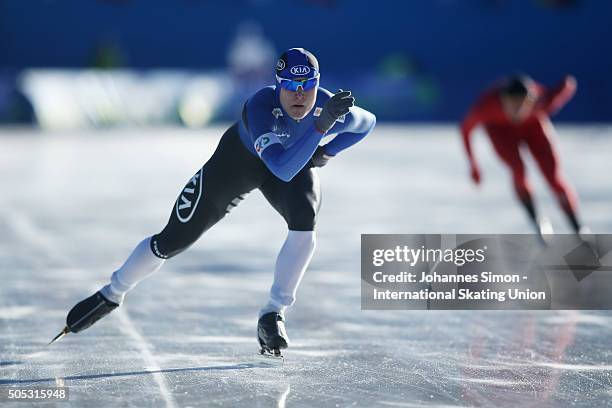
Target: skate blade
(271, 356)
(64, 332)
(546, 232)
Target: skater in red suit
(516, 114)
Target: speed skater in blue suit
(275, 147)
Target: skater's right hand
(475, 173)
(335, 107)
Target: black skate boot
(271, 334)
(85, 313)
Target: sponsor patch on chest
(277, 112)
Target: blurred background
(109, 106)
(105, 63)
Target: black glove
(335, 107)
(320, 158)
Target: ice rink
(73, 205)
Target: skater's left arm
(471, 120)
(553, 100)
(358, 123)
(475, 116)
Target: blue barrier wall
(429, 58)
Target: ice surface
(72, 206)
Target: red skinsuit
(535, 131)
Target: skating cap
(518, 85)
(296, 64)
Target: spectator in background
(249, 58)
(15, 107)
(108, 53)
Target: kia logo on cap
(300, 70)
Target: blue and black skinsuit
(240, 164)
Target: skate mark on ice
(16, 312)
(136, 373)
(215, 339)
(282, 400)
(38, 240)
(492, 381)
(9, 363)
(563, 366)
(127, 326)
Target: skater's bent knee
(167, 248)
(303, 220)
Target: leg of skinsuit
(507, 147)
(541, 148)
(298, 201)
(140, 264)
(230, 174)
